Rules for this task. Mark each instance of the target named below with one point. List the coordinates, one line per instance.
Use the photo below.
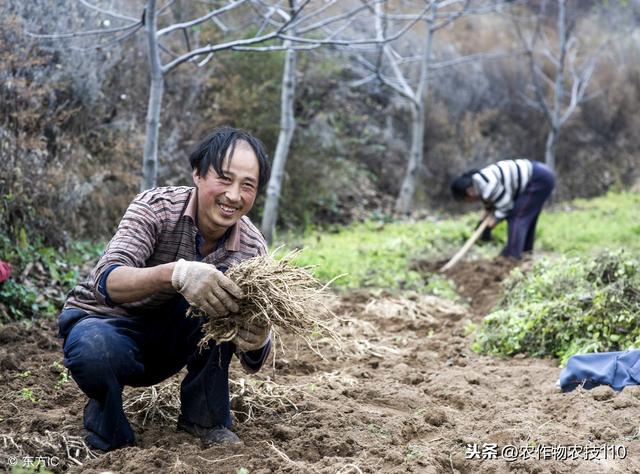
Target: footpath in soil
(405, 394)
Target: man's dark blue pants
(526, 209)
(105, 353)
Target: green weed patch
(42, 276)
(561, 308)
(379, 255)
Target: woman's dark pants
(524, 216)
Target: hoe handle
(465, 248)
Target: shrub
(566, 307)
(42, 276)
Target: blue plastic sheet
(616, 369)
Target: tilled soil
(406, 394)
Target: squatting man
(126, 323)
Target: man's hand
(206, 288)
(252, 335)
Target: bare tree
(156, 90)
(417, 97)
(560, 72)
(287, 127)
(287, 119)
(309, 25)
(396, 70)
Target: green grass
(607, 222)
(377, 254)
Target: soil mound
(479, 281)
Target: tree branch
(349, 42)
(363, 81)
(266, 21)
(108, 12)
(579, 87)
(537, 88)
(242, 44)
(188, 24)
(280, 47)
(167, 50)
(545, 77)
(327, 21)
(471, 11)
(76, 34)
(534, 104)
(475, 57)
(218, 47)
(162, 9)
(315, 13)
(109, 44)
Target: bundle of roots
(254, 397)
(158, 403)
(277, 294)
(249, 398)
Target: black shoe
(209, 436)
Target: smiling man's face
(223, 200)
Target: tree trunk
(404, 201)
(558, 92)
(156, 89)
(550, 149)
(408, 189)
(287, 127)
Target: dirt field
(405, 395)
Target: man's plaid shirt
(160, 227)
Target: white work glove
(252, 335)
(206, 288)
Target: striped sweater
(500, 184)
(160, 227)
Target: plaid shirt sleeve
(132, 245)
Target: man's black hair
(213, 149)
(461, 183)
